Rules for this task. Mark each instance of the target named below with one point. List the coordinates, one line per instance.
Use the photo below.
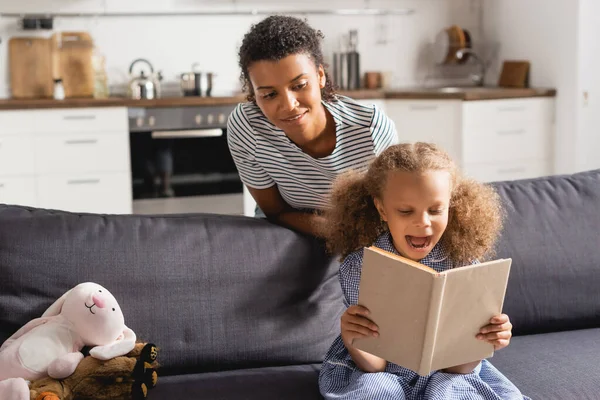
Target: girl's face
(415, 207)
(288, 92)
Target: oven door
(187, 170)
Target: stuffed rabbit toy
(87, 315)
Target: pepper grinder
(353, 61)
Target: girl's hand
(498, 332)
(355, 324)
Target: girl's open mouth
(418, 242)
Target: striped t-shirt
(265, 156)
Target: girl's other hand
(498, 332)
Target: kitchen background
(494, 134)
(395, 43)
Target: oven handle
(192, 133)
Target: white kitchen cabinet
(85, 192)
(69, 159)
(490, 140)
(432, 121)
(18, 190)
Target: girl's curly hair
(353, 222)
(277, 37)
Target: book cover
(428, 320)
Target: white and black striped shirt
(265, 156)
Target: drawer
(16, 122)
(508, 171)
(77, 152)
(80, 120)
(499, 144)
(431, 121)
(101, 193)
(508, 113)
(16, 155)
(18, 190)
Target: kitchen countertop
(417, 93)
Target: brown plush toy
(121, 378)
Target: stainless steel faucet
(478, 78)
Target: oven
(180, 161)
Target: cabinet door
(435, 121)
(95, 193)
(81, 120)
(18, 190)
(82, 152)
(16, 155)
(493, 172)
(507, 130)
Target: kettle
(144, 86)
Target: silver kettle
(146, 87)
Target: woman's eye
(300, 86)
(404, 212)
(268, 95)
(436, 212)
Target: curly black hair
(277, 37)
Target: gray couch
(243, 309)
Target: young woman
(295, 135)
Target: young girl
(411, 201)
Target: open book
(428, 320)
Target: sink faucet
(479, 77)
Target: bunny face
(95, 314)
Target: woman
(295, 135)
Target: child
(411, 201)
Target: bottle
(59, 90)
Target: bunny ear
(123, 345)
(56, 307)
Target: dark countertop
(460, 93)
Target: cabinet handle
(83, 181)
(513, 108)
(79, 117)
(421, 107)
(511, 170)
(512, 132)
(81, 141)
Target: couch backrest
(214, 292)
(552, 233)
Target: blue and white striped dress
(341, 379)
(265, 156)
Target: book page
(472, 296)
(398, 296)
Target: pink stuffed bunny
(87, 315)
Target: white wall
(172, 44)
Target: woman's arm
(277, 210)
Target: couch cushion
(552, 235)
(214, 292)
(275, 383)
(553, 366)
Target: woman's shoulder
(351, 111)
(245, 121)
(245, 111)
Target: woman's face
(288, 92)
